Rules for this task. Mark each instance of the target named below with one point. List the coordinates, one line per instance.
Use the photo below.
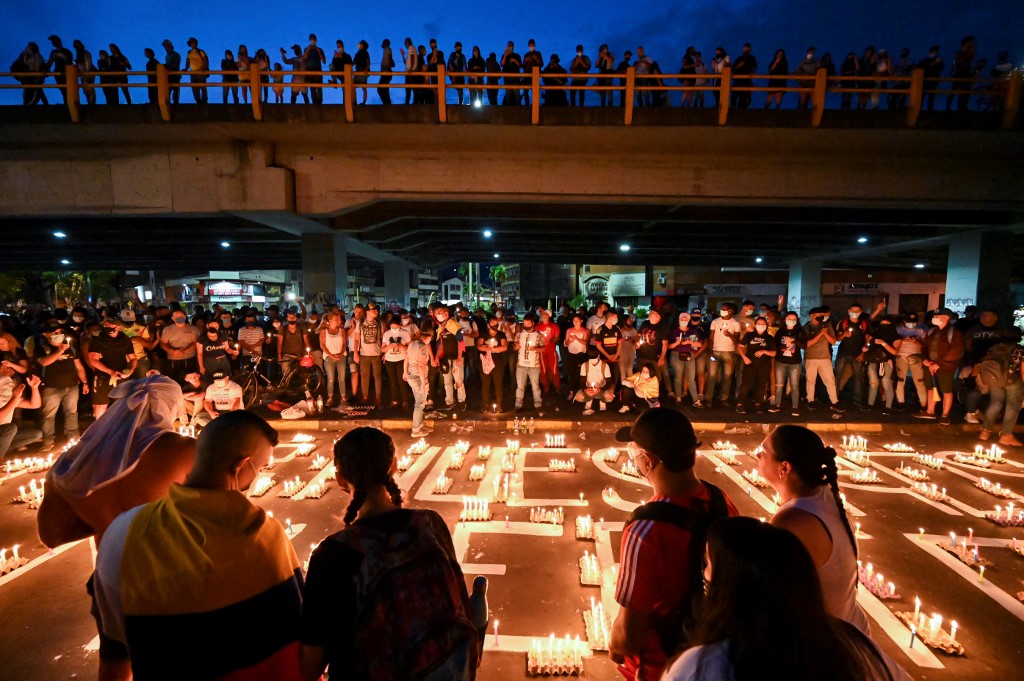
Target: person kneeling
(640, 391)
(595, 375)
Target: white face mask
(911, 325)
(761, 328)
(854, 315)
(790, 323)
(57, 338)
(77, 318)
(723, 313)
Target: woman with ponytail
(385, 597)
(803, 471)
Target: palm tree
(499, 275)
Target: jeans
(1010, 396)
(573, 362)
(784, 373)
(885, 379)
(910, 364)
(454, 385)
(335, 370)
(367, 365)
(822, 368)
(63, 398)
(857, 369)
(724, 363)
(683, 368)
(419, 399)
(497, 379)
(533, 373)
(12, 437)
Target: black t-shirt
(62, 373)
(754, 342)
(652, 335)
(981, 339)
(854, 345)
(114, 351)
(790, 342)
(608, 338)
(876, 353)
(213, 351)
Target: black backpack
(676, 630)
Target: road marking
(896, 630)
(32, 564)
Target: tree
(498, 275)
(73, 288)
(12, 285)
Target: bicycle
(303, 377)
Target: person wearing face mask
(396, 347)
(214, 352)
(529, 344)
(944, 348)
(640, 391)
(179, 342)
(292, 342)
(492, 346)
(368, 354)
(77, 325)
(575, 339)
(881, 358)
(690, 359)
(112, 358)
(62, 373)
(333, 342)
(663, 537)
(142, 341)
(222, 395)
(854, 335)
(791, 339)
(725, 333)
(756, 350)
(908, 361)
(818, 360)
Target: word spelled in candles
(915, 474)
(418, 447)
(856, 443)
(993, 453)
(292, 487)
(476, 472)
(404, 463)
(462, 447)
(930, 631)
(442, 484)
(931, 492)
(33, 495)
(858, 457)
(501, 485)
(968, 555)
(996, 490)
(960, 457)
(315, 490)
(303, 438)
(929, 461)
(899, 448)
(555, 657)
(474, 509)
(457, 460)
(14, 562)
(590, 569)
(1007, 518)
(596, 622)
(584, 527)
(512, 447)
(867, 477)
(270, 463)
(552, 516)
(262, 485)
(508, 462)
(554, 441)
(754, 478)
(875, 583)
(483, 452)
(562, 466)
(318, 462)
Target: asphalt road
(534, 577)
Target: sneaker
(985, 435)
(865, 407)
(698, 405)
(837, 409)
(47, 447)
(740, 409)
(519, 409)
(420, 432)
(886, 411)
(679, 400)
(624, 409)
(773, 410)
(811, 406)
(602, 406)
(972, 417)
(795, 412)
(1008, 440)
(461, 406)
(944, 420)
(588, 412)
(924, 415)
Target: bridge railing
(633, 90)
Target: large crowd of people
(438, 360)
(873, 72)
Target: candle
(506, 522)
(288, 523)
(952, 631)
(496, 643)
(913, 634)
(920, 533)
(981, 573)
(970, 534)
(917, 607)
(952, 539)
(14, 551)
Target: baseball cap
(944, 312)
(667, 434)
(219, 374)
(52, 325)
(127, 315)
(912, 317)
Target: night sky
(664, 27)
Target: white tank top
(334, 342)
(839, 573)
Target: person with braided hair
(798, 465)
(385, 597)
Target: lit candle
(917, 607)
(920, 533)
(952, 631)
(495, 633)
(913, 634)
(970, 534)
(14, 551)
(288, 524)
(981, 573)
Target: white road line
(32, 564)
(896, 630)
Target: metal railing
(1004, 95)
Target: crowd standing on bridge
(871, 72)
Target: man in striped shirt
(655, 576)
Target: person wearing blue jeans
(1009, 396)
(417, 369)
(725, 334)
(12, 397)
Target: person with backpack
(944, 348)
(659, 584)
(798, 466)
(1000, 373)
(766, 619)
(385, 597)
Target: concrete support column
(325, 268)
(804, 286)
(396, 283)
(978, 272)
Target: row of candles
(590, 569)
(562, 466)
(915, 474)
(315, 490)
(553, 516)
(719, 445)
(292, 487)
(971, 460)
(1007, 518)
(996, 490)
(483, 453)
(929, 461)
(457, 460)
(930, 631)
(474, 509)
(612, 455)
(305, 449)
(875, 582)
(728, 458)
(930, 492)
(754, 478)
(501, 485)
(554, 441)
(14, 562)
(994, 453)
(442, 484)
(859, 457)
(476, 472)
(970, 556)
(318, 462)
(585, 527)
(262, 485)
(303, 438)
(867, 477)
(33, 495)
(629, 468)
(187, 431)
(596, 622)
(899, 447)
(857, 443)
(34, 464)
(554, 656)
(418, 447)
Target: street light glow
(59, 234)
(919, 266)
(488, 234)
(624, 248)
(862, 240)
(758, 259)
(225, 244)
(497, 255)
(65, 261)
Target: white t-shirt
(719, 328)
(223, 398)
(352, 326)
(394, 350)
(529, 348)
(595, 373)
(6, 393)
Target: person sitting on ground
(131, 455)
(803, 471)
(765, 616)
(203, 583)
(222, 396)
(596, 379)
(660, 581)
(386, 593)
(640, 391)
(11, 398)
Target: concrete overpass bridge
(304, 188)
